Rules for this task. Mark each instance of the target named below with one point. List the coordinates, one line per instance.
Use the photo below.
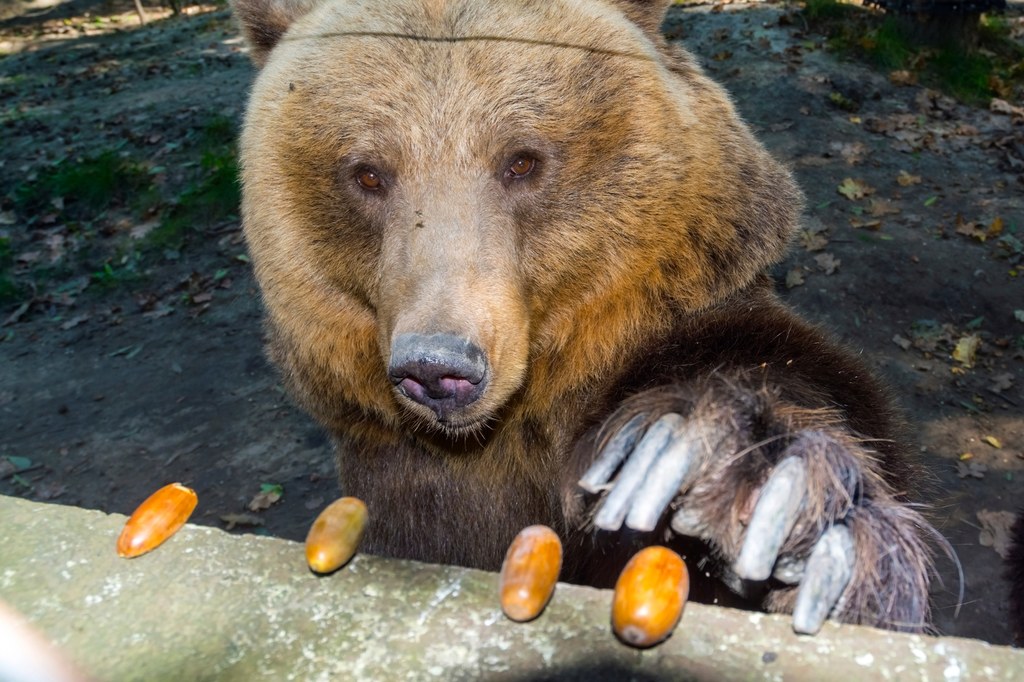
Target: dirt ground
(911, 252)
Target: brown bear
(513, 257)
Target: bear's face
(449, 201)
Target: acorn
(156, 519)
(334, 536)
(529, 572)
(649, 597)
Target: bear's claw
(775, 514)
(596, 478)
(663, 439)
(664, 460)
(828, 573)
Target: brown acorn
(334, 536)
(529, 572)
(156, 519)
(649, 597)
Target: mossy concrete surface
(212, 606)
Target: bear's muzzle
(444, 372)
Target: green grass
(827, 9)
(87, 187)
(96, 199)
(9, 291)
(110, 276)
(211, 198)
(888, 46)
(972, 73)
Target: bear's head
(454, 205)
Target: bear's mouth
(445, 373)
(449, 403)
(451, 428)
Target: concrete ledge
(212, 606)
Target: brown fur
(623, 276)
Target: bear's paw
(789, 498)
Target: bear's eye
(520, 167)
(369, 179)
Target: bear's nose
(444, 372)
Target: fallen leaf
(74, 322)
(966, 456)
(843, 102)
(140, 231)
(16, 315)
(883, 207)
(827, 263)
(928, 335)
(971, 469)
(901, 342)
(996, 529)
(970, 229)
(993, 441)
(13, 464)
(966, 350)
(903, 77)
(162, 310)
(233, 520)
(812, 241)
(1001, 106)
(905, 179)
(794, 278)
(999, 86)
(852, 152)
(269, 494)
(1001, 382)
(854, 189)
(873, 225)
(995, 228)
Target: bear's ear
(265, 21)
(647, 14)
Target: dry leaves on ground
(827, 263)
(995, 530)
(269, 494)
(854, 189)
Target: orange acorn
(334, 536)
(649, 597)
(529, 572)
(156, 519)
